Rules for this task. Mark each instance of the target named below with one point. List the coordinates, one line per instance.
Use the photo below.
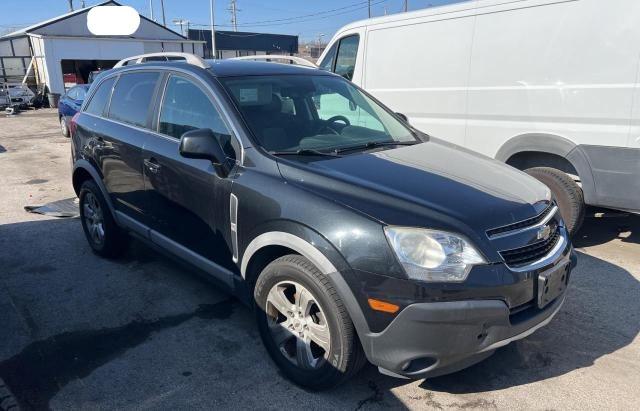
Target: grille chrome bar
(542, 219)
(547, 259)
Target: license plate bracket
(552, 283)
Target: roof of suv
(232, 68)
(227, 68)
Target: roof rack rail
(168, 56)
(296, 60)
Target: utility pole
(70, 5)
(182, 23)
(369, 8)
(406, 5)
(164, 22)
(213, 30)
(82, 4)
(233, 8)
(151, 9)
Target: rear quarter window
(100, 98)
(132, 97)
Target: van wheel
(63, 127)
(304, 325)
(104, 236)
(567, 194)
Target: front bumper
(429, 339)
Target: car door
(188, 200)
(66, 107)
(119, 139)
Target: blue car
(70, 104)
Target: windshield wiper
(374, 144)
(305, 152)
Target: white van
(548, 86)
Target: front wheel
(63, 127)
(304, 324)
(567, 193)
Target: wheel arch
(271, 245)
(549, 150)
(83, 171)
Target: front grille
(532, 252)
(521, 224)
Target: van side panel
(564, 69)
(420, 69)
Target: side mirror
(403, 117)
(204, 144)
(352, 106)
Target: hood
(433, 184)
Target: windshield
(292, 113)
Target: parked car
(352, 241)
(533, 83)
(69, 104)
(16, 94)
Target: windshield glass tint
(290, 113)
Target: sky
(305, 18)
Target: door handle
(152, 165)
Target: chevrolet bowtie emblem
(544, 233)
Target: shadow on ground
(612, 225)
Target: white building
(62, 50)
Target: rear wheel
(304, 324)
(104, 236)
(63, 127)
(567, 193)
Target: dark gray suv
(354, 236)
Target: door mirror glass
(203, 144)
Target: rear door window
(346, 58)
(100, 98)
(132, 98)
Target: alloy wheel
(298, 325)
(93, 218)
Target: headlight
(431, 255)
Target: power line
(304, 16)
(297, 19)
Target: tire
(567, 193)
(64, 128)
(342, 356)
(104, 236)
